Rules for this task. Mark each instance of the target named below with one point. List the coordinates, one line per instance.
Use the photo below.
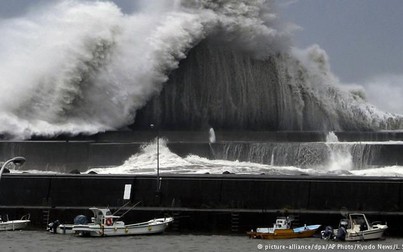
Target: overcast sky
(363, 38)
(364, 41)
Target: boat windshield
(360, 221)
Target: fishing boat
(57, 228)
(104, 223)
(282, 230)
(14, 224)
(356, 227)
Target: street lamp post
(16, 161)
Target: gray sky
(364, 41)
(363, 38)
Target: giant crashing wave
(85, 67)
(218, 86)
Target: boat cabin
(103, 216)
(282, 223)
(358, 222)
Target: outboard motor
(327, 234)
(53, 226)
(342, 231)
(80, 220)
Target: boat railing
(4, 218)
(376, 223)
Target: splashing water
(340, 158)
(212, 135)
(85, 67)
(88, 67)
(332, 137)
(145, 162)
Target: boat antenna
(344, 212)
(291, 218)
(120, 208)
(130, 209)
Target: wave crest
(84, 67)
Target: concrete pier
(206, 203)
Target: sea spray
(220, 86)
(348, 156)
(73, 67)
(144, 162)
(212, 138)
(87, 67)
(340, 158)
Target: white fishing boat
(356, 228)
(10, 225)
(104, 223)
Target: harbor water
(38, 240)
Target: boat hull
(302, 232)
(64, 229)
(145, 228)
(372, 234)
(14, 225)
(359, 229)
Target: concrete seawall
(206, 203)
(65, 156)
(62, 156)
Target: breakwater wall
(65, 154)
(205, 203)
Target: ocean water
(38, 240)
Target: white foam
(388, 171)
(145, 162)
